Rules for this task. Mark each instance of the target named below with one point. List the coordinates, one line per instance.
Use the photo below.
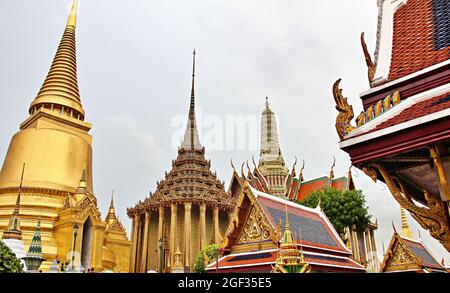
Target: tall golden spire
(59, 91)
(13, 231)
(406, 231)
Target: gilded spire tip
(72, 21)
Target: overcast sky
(134, 73)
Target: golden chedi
(55, 144)
(189, 210)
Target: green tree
(9, 263)
(211, 252)
(343, 209)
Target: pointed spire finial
(406, 231)
(193, 81)
(267, 102)
(72, 21)
(111, 216)
(300, 176)
(332, 168)
(17, 207)
(191, 139)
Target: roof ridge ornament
(345, 116)
(369, 62)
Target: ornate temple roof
(406, 254)
(297, 188)
(311, 227)
(314, 234)
(190, 178)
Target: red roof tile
(307, 187)
(414, 38)
(313, 229)
(339, 184)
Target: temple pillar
(202, 225)
(139, 246)
(187, 236)
(173, 227)
(216, 225)
(160, 239)
(134, 243)
(145, 242)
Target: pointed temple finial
(59, 92)
(111, 216)
(72, 21)
(332, 168)
(191, 138)
(300, 175)
(267, 102)
(13, 231)
(288, 237)
(193, 82)
(406, 231)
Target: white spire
(270, 146)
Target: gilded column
(134, 243)
(187, 234)
(202, 225)
(216, 225)
(145, 242)
(160, 239)
(173, 226)
(133, 246)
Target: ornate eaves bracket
(434, 217)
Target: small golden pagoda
(55, 144)
(290, 259)
(189, 209)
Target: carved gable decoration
(86, 203)
(399, 257)
(402, 257)
(255, 228)
(116, 226)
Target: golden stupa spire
(13, 231)
(406, 231)
(59, 91)
(111, 216)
